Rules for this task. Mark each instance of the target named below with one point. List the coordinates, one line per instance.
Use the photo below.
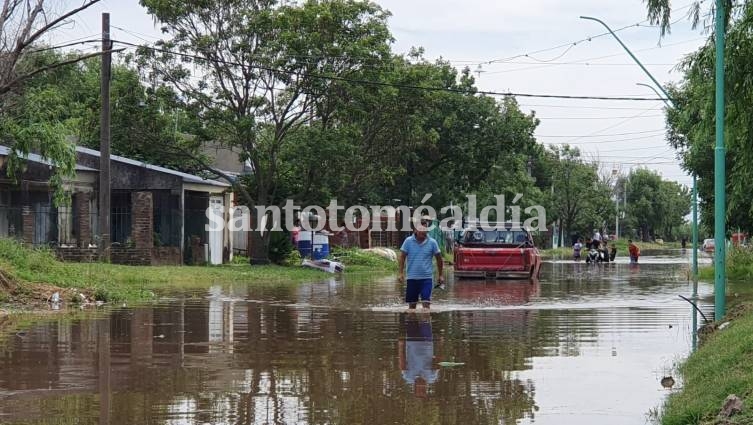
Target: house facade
(157, 215)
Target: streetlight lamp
(719, 162)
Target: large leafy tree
(655, 207)
(394, 144)
(256, 69)
(147, 123)
(27, 122)
(691, 122)
(580, 199)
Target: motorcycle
(593, 256)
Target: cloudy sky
(496, 35)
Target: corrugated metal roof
(187, 178)
(5, 151)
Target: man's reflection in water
(417, 360)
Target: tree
(27, 123)
(256, 69)
(660, 12)
(655, 206)
(391, 145)
(580, 199)
(691, 122)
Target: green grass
(109, 282)
(723, 365)
(739, 265)
(622, 248)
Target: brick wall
(82, 225)
(197, 251)
(142, 234)
(78, 255)
(166, 256)
(142, 229)
(131, 256)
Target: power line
(604, 142)
(640, 148)
(600, 131)
(602, 135)
(627, 108)
(67, 44)
(572, 44)
(586, 62)
(383, 84)
(594, 118)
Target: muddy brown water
(585, 345)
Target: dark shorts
(416, 287)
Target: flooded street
(588, 344)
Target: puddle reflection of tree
(272, 363)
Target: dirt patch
(7, 283)
(31, 296)
(735, 312)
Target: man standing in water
(419, 250)
(634, 251)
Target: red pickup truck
(500, 254)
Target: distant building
(226, 159)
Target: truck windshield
(495, 237)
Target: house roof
(187, 178)
(5, 151)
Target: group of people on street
(598, 250)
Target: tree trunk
(259, 249)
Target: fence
(240, 237)
(120, 224)
(11, 222)
(167, 227)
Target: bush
(740, 263)
(293, 259)
(280, 246)
(239, 259)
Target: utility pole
(104, 143)
(720, 196)
(695, 234)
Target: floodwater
(587, 344)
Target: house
(157, 215)
(227, 160)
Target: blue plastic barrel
(305, 243)
(321, 246)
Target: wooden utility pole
(104, 143)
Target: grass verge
(723, 365)
(29, 276)
(739, 265)
(622, 249)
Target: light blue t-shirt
(419, 257)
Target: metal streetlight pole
(719, 287)
(616, 206)
(720, 201)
